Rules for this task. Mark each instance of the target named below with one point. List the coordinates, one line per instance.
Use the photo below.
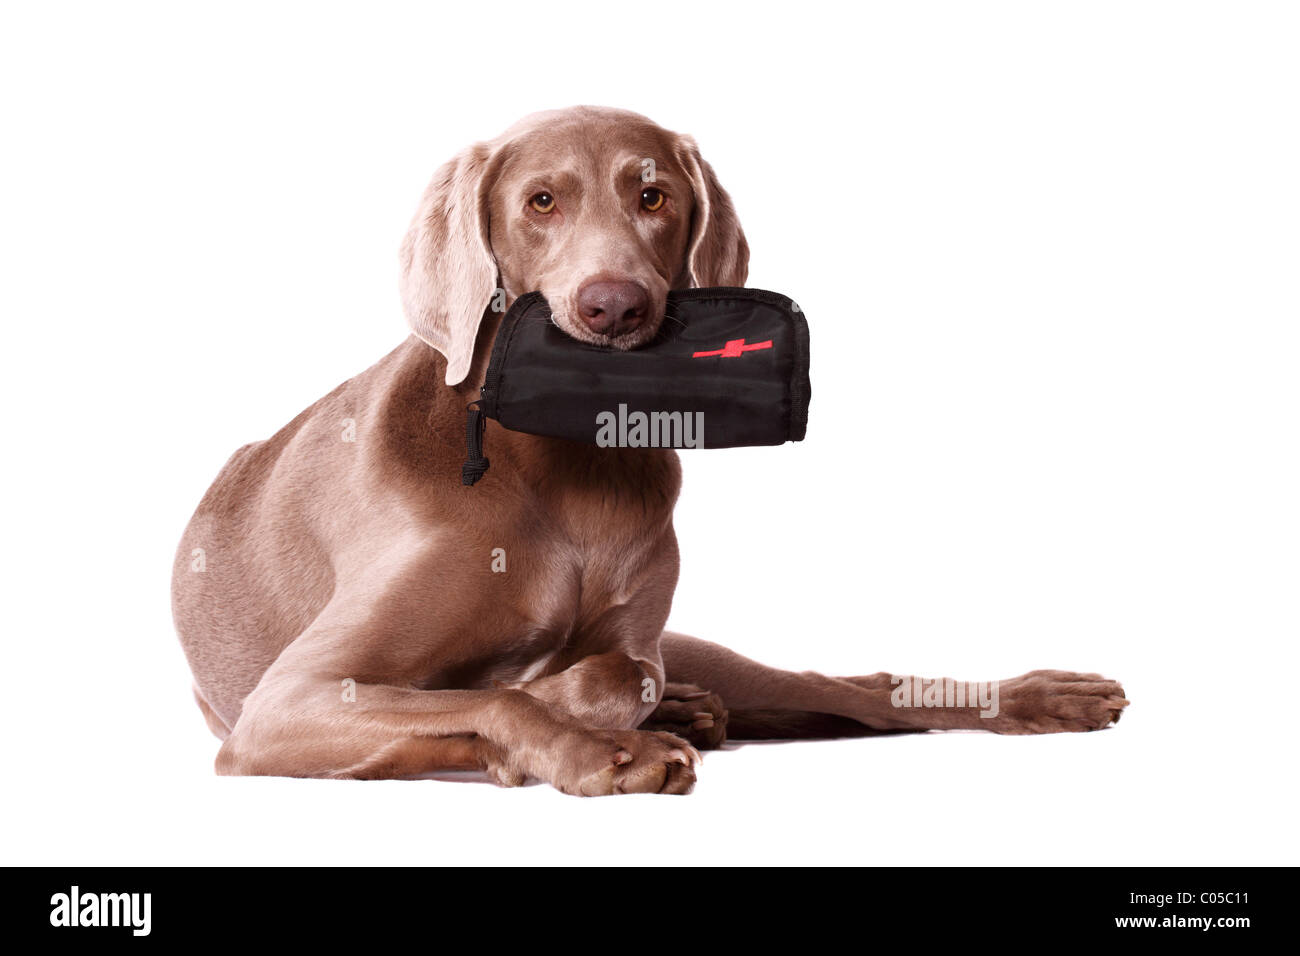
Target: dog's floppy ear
(448, 274)
(718, 253)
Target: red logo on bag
(735, 348)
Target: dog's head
(600, 209)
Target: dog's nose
(612, 308)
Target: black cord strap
(475, 464)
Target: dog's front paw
(628, 761)
(691, 713)
(1050, 702)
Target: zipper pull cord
(475, 464)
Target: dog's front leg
(609, 691)
(308, 717)
(300, 727)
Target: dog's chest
(584, 559)
(590, 569)
(603, 556)
(569, 598)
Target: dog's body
(349, 609)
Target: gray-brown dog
(336, 597)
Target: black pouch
(728, 367)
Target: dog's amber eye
(542, 202)
(651, 200)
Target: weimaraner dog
(339, 593)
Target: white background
(1049, 257)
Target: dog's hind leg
(215, 723)
(763, 702)
(714, 694)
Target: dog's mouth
(566, 321)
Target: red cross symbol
(735, 348)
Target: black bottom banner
(1218, 907)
